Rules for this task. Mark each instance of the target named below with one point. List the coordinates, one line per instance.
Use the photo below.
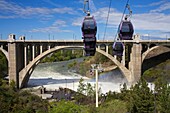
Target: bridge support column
(13, 74)
(98, 47)
(49, 47)
(33, 52)
(123, 57)
(107, 49)
(136, 62)
(25, 55)
(41, 49)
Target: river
(55, 75)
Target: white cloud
(101, 16)
(151, 21)
(157, 3)
(152, 4)
(57, 26)
(16, 11)
(64, 10)
(155, 22)
(163, 7)
(60, 23)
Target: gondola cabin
(118, 48)
(89, 28)
(90, 48)
(126, 30)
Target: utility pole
(1, 37)
(96, 68)
(73, 84)
(49, 36)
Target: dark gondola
(89, 30)
(90, 48)
(126, 30)
(118, 48)
(90, 52)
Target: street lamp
(66, 82)
(73, 84)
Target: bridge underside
(153, 61)
(24, 75)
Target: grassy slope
(161, 70)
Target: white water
(55, 75)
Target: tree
(3, 65)
(142, 99)
(89, 90)
(66, 107)
(162, 93)
(18, 101)
(81, 87)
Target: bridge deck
(80, 41)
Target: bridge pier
(13, 61)
(13, 76)
(135, 64)
(16, 60)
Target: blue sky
(62, 19)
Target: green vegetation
(15, 101)
(84, 67)
(113, 106)
(85, 99)
(66, 107)
(162, 70)
(72, 64)
(3, 65)
(63, 55)
(138, 99)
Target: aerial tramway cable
(124, 31)
(107, 19)
(126, 6)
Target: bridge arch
(166, 49)
(158, 54)
(25, 73)
(5, 53)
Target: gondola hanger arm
(86, 7)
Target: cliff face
(156, 62)
(161, 70)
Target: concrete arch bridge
(24, 55)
